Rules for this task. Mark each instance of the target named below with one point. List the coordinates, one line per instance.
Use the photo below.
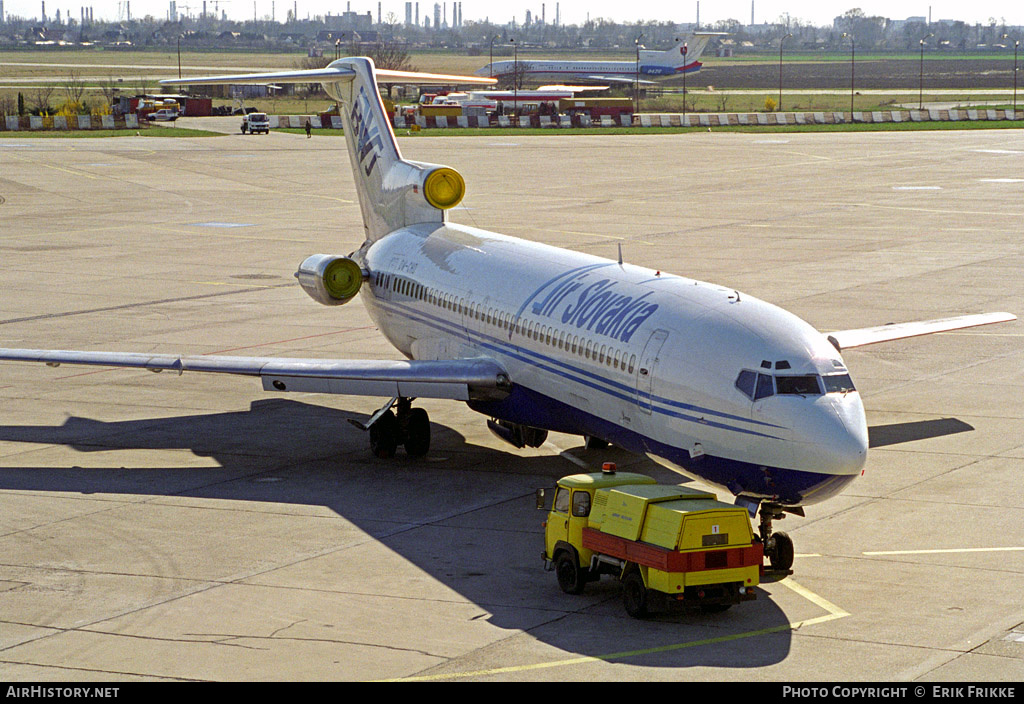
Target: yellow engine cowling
(330, 279)
(444, 188)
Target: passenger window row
(547, 335)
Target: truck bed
(672, 560)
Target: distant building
(351, 21)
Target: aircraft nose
(834, 437)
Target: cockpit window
(806, 385)
(838, 383)
(755, 386)
(745, 382)
(764, 387)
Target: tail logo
(367, 133)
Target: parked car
(164, 115)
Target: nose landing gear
(778, 546)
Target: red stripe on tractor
(670, 560)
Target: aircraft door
(645, 369)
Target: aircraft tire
(417, 433)
(592, 443)
(635, 596)
(781, 556)
(384, 436)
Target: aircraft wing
(328, 75)
(845, 339)
(459, 379)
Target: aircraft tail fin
(393, 192)
(678, 59)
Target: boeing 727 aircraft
(716, 383)
(650, 66)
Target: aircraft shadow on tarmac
(896, 433)
(291, 452)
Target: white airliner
(716, 383)
(652, 65)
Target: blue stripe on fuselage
(619, 390)
(786, 486)
(525, 405)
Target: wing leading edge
(459, 379)
(845, 339)
(335, 72)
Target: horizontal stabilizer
(845, 339)
(460, 379)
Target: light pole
(490, 66)
(515, 76)
(636, 85)
(1016, 46)
(781, 41)
(853, 60)
(920, 87)
(686, 122)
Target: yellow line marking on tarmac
(834, 612)
(938, 552)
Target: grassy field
(28, 72)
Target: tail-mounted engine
(330, 279)
(444, 187)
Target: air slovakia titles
(597, 307)
(367, 133)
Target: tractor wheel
(634, 595)
(571, 578)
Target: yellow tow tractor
(668, 545)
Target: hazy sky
(572, 12)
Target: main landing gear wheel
(592, 443)
(416, 430)
(404, 426)
(384, 436)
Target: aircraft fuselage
(648, 361)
